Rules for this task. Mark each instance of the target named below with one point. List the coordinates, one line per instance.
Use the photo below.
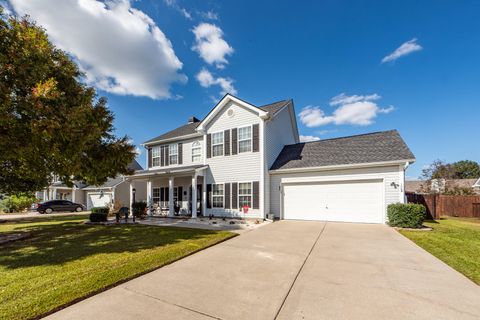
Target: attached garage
(98, 199)
(349, 179)
(347, 201)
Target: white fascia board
(261, 113)
(342, 166)
(477, 184)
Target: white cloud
(405, 49)
(185, 13)
(354, 110)
(206, 80)
(210, 45)
(308, 138)
(342, 98)
(208, 15)
(173, 4)
(120, 48)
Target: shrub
(99, 214)
(103, 210)
(16, 203)
(409, 215)
(139, 209)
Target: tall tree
(50, 122)
(438, 170)
(466, 169)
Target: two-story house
(244, 160)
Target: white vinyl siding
(217, 144)
(245, 139)
(245, 166)
(156, 156)
(278, 133)
(388, 174)
(188, 146)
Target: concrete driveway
(295, 270)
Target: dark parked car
(59, 205)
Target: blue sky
(147, 57)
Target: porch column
(171, 208)
(54, 194)
(73, 194)
(204, 195)
(194, 196)
(149, 197)
(132, 185)
(45, 195)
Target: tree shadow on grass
(54, 244)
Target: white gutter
(341, 166)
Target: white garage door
(99, 200)
(349, 201)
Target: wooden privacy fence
(443, 205)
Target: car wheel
(79, 209)
(48, 210)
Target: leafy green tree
(466, 169)
(438, 170)
(50, 122)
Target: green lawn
(456, 241)
(65, 260)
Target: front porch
(171, 193)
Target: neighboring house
(440, 185)
(244, 156)
(114, 190)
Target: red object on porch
(245, 209)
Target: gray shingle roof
(189, 128)
(272, 108)
(134, 165)
(111, 182)
(178, 132)
(365, 148)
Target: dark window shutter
(149, 157)
(180, 194)
(167, 194)
(162, 156)
(234, 195)
(234, 141)
(209, 196)
(255, 136)
(227, 142)
(167, 158)
(180, 153)
(162, 194)
(209, 145)
(227, 196)
(256, 195)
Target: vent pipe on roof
(193, 120)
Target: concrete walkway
(295, 270)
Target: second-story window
(155, 156)
(245, 139)
(173, 153)
(196, 152)
(217, 144)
